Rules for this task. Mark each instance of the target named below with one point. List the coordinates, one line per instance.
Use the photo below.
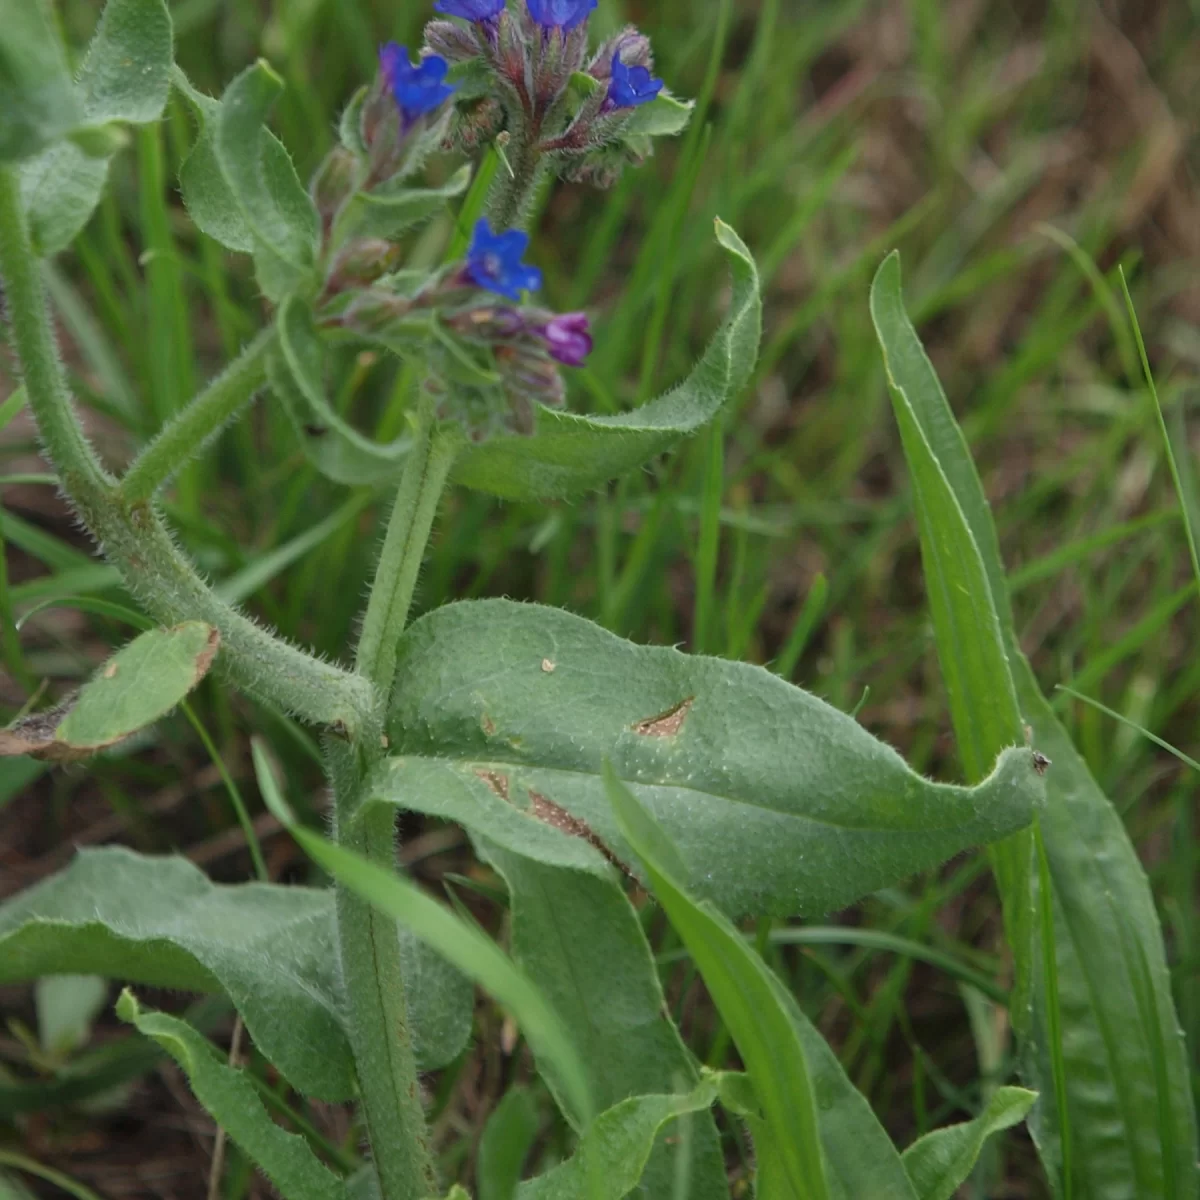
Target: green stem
(426, 469)
(516, 183)
(130, 533)
(369, 946)
(183, 437)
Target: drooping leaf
(124, 78)
(37, 95)
(507, 1137)
(388, 214)
(137, 686)
(745, 994)
(664, 116)
(1131, 1123)
(940, 1162)
(285, 1158)
(613, 1152)
(578, 938)
(777, 802)
(271, 949)
(569, 453)
(297, 375)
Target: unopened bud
(455, 43)
(334, 180)
(362, 263)
(630, 45)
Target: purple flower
(560, 14)
(470, 10)
(417, 89)
(494, 262)
(567, 338)
(630, 86)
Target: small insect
(1040, 762)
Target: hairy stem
(183, 437)
(369, 946)
(426, 469)
(513, 191)
(131, 534)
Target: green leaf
(37, 95)
(276, 208)
(507, 1137)
(663, 116)
(137, 686)
(778, 802)
(297, 376)
(125, 77)
(745, 994)
(578, 938)
(569, 453)
(940, 1162)
(389, 213)
(460, 943)
(271, 949)
(1101, 975)
(285, 1158)
(66, 1007)
(613, 1152)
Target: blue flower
(471, 10)
(631, 86)
(494, 262)
(560, 14)
(416, 89)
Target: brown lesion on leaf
(666, 724)
(496, 780)
(205, 658)
(37, 736)
(488, 725)
(549, 813)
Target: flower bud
(334, 180)
(455, 43)
(362, 263)
(631, 46)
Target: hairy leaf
(125, 77)
(778, 802)
(663, 116)
(389, 213)
(285, 1158)
(1130, 1120)
(940, 1162)
(613, 1152)
(271, 949)
(569, 453)
(137, 686)
(37, 98)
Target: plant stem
(130, 533)
(513, 190)
(183, 437)
(426, 469)
(369, 945)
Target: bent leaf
(124, 78)
(137, 686)
(940, 1162)
(388, 214)
(1129, 1114)
(569, 453)
(286, 1159)
(613, 1152)
(271, 949)
(744, 992)
(777, 802)
(663, 116)
(297, 376)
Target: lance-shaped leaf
(778, 802)
(37, 98)
(390, 212)
(297, 375)
(124, 78)
(134, 688)
(1128, 1126)
(285, 1158)
(613, 1152)
(940, 1162)
(569, 453)
(271, 949)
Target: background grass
(1017, 154)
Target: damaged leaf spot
(496, 780)
(666, 724)
(549, 813)
(489, 726)
(111, 669)
(548, 665)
